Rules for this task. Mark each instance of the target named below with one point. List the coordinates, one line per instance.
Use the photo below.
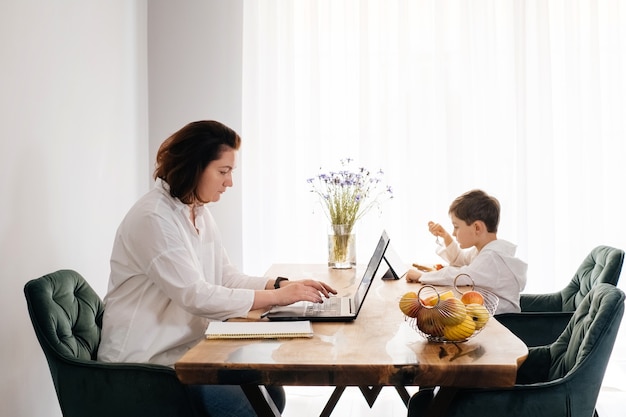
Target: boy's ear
(479, 226)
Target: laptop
(345, 308)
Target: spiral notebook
(258, 329)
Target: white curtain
(524, 99)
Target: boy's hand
(437, 230)
(413, 275)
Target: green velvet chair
(544, 316)
(562, 379)
(67, 317)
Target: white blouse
(168, 280)
(495, 268)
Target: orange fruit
(433, 299)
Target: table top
(378, 348)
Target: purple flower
(348, 194)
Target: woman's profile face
(217, 176)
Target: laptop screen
(372, 267)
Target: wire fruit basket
(449, 315)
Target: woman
(170, 274)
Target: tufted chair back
(588, 334)
(67, 313)
(544, 316)
(602, 264)
(67, 318)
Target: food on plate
(423, 268)
(426, 268)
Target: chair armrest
(536, 328)
(536, 367)
(541, 302)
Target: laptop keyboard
(330, 305)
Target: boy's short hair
(477, 205)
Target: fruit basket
(449, 315)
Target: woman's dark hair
(182, 157)
(477, 205)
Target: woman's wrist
(265, 298)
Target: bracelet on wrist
(278, 281)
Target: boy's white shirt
(495, 268)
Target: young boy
(477, 252)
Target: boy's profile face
(464, 233)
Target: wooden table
(378, 349)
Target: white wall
(73, 158)
(82, 117)
(195, 69)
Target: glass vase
(341, 246)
